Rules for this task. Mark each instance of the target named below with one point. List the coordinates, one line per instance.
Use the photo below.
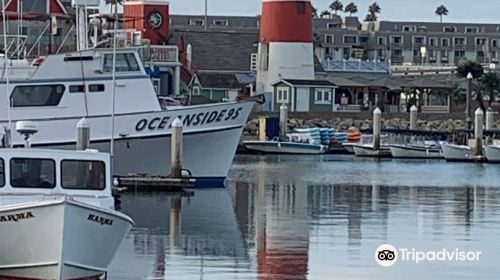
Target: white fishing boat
(285, 147)
(368, 150)
(415, 151)
(57, 217)
(493, 153)
(67, 87)
(452, 152)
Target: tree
(314, 12)
(373, 10)
(351, 8)
(113, 3)
(441, 11)
(466, 66)
(324, 13)
(489, 86)
(336, 6)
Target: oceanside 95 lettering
(196, 119)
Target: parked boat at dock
(452, 152)
(67, 87)
(492, 153)
(57, 214)
(415, 151)
(285, 147)
(368, 150)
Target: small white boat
(452, 152)
(367, 150)
(284, 147)
(57, 217)
(493, 153)
(415, 151)
(349, 147)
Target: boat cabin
(83, 175)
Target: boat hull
(492, 153)
(406, 151)
(453, 152)
(369, 151)
(59, 239)
(349, 147)
(275, 147)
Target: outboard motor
(27, 129)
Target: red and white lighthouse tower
(286, 42)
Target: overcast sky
(411, 10)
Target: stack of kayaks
(306, 135)
(340, 138)
(326, 135)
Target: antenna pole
(112, 148)
(6, 68)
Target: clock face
(155, 20)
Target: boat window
(77, 88)
(2, 174)
(96, 88)
(83, 175)
(37, 95)
(125, 62)
(32, 173)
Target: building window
(396, 40)
(196, 90)
(329, 38)
(96, 88)
(471, 30)
(220, 22)
(481, 42)
(450, 29)
(459, 54)
(494, 43)
(445, 42)
(83, 175)
(125, 62)
(322, 96)
(409, 28)
(196, 22)
(419, 40)
(332, 25)
(350, 39)
(382, 41)
(328, 51)
(433, 42)
(444, 53)
(459, 41)
(397, 52)
(41, 95)
(380, 54)
(76, 88)
(416, 52)
(32, 173)
(283, 95)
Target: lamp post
(423, 53)
(468, 103)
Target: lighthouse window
(125, 62)
(301, 7)
(32, 173)
(37, 95)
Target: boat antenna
(113, 95)
(6, 69)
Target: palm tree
(370, 17)
(351, 8)
(336, 6)
(113, 2)
(314, 12)
(373, 10)
(441, 11)
(324, 13)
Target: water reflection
(304, 218)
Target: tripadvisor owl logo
(386, 255)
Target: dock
(155, 183)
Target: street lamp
(423, 53)
(468, 120)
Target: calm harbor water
(308, 217)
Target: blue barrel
(272, 127)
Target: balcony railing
(370, 66)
